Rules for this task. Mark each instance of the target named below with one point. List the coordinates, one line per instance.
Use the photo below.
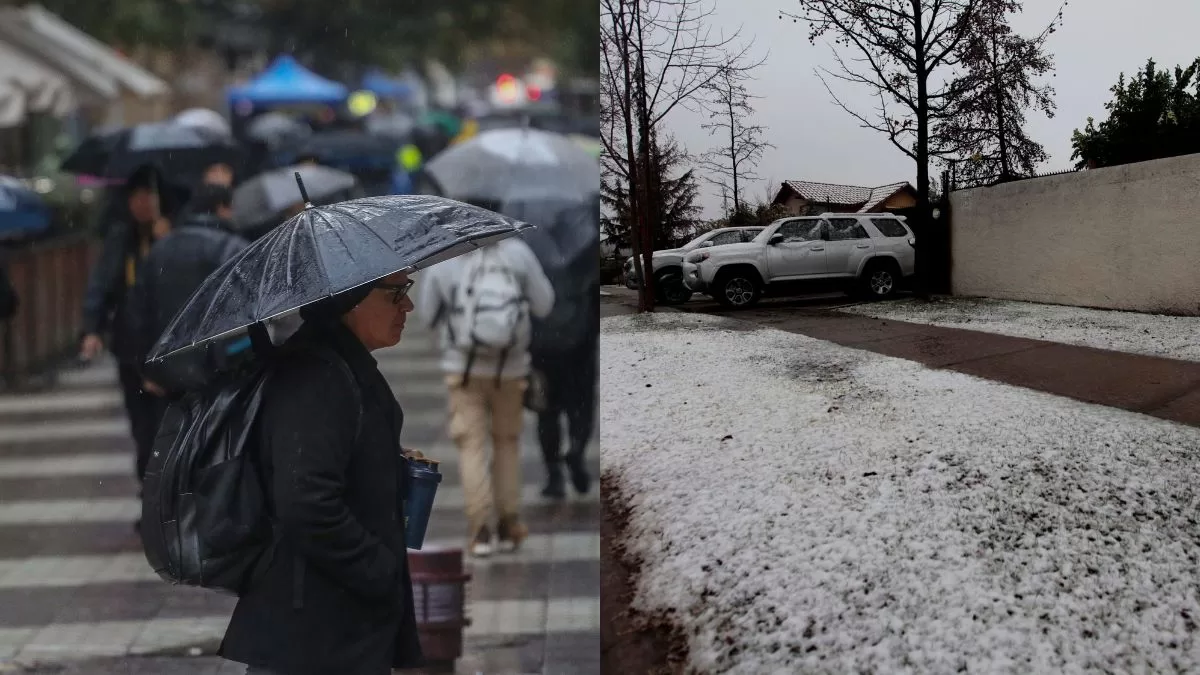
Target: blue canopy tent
(383, 86)
(287, 82)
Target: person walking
(173, 269)
(335, 595)
(484, 302)
(566, 352)
(135, 219)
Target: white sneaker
(482, 546)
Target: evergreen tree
(1000, 81)
(674, 190)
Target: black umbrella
(92, 155)
(182, 152)
(277, 130)
(327, 250)
(267, 196)
(567, 230)
(346, 147)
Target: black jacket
(335, 596)
(108, 285)
(175, 267)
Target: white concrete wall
(1125, 237)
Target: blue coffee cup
(423, 479)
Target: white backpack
(490, 313)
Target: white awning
(27, 86)
(88, 78)
(83, 47)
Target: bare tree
(656, 55)
(906, 53)
(732, 163)
(986, 124)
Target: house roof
(81, 47)
(27, 85)
(866, 198)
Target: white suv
(872, 252)
(668, 277)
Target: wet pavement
(76, 595)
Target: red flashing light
(505, 79)
(533, 92)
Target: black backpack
(205, 517)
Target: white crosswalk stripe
(117, 428)
(127, 509)
(99, 465)
(81, 570)
(64, 403)
(65, 642)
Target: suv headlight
(698, 257)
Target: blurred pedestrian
(566, 353)
(176, 265)
(134, 221)
(220, 174)
(483, 301)
(9, 302)
(336, 595)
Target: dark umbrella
(493, 164)
(327, 250)
(346, 147)
(268, 195)
(92, 155)
(277, 129)
(182, 152)
(567, 230)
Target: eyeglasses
(398, 290)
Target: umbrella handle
(303, 192)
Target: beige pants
(479, 412)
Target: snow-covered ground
(1176, 337)
(805, 507)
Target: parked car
(871, 253)
(667, 264)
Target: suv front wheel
(670, 288)
(879, 280)
(737, 289)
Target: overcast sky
(815, 140)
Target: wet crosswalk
(74, 584)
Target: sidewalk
(75, 587)
(1165, 388)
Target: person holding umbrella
(545, 179)
(333, 593)
(136, 220)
